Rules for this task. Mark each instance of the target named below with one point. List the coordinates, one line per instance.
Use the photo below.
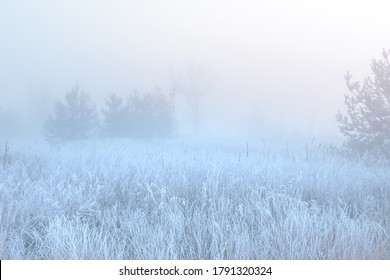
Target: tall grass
(118, 199)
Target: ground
(177, 199)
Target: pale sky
(277, 66)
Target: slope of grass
(119, 199)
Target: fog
(194, 130)
(276, 67)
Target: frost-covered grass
(122, 199)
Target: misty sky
(277, 66)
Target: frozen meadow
(177, 199)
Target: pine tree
(367, 123)
(164, 115)
(151, 114)
(141, 116)
(74, 119)
(115, 117)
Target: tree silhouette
(164, 114)
(74, 119)
(142, 115)
(115, 117)
(367, 123)
(194, 85)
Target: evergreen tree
(142, 115)
(115, 117)
(367, 123)
(164, 114)
(151, 115)
(74, 119)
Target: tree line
(365, 124)
(138, 115)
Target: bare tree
(194, 84)
(367, 123)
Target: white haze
(277, 66)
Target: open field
(122, 199)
